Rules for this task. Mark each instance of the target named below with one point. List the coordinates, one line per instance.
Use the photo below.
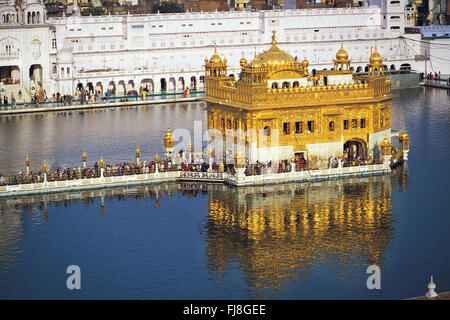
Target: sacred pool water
(191, 241)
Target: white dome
(65, 56)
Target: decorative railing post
(156, 163)
(44, 169)
(386, 150)
(138, 155)
(403, 141)
(27, 163)
(84, 160)
(102, 169)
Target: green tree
(95, 11)
(166, 7)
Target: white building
(166, 52)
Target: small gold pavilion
(283, 110)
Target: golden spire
(168, 140)
(215, 58)
(305, 63)
(84, 156)
(342, 53)
(274, 42)
(27, 161)
(102, 163)
(156, 157)
(138, 152)
(403, 135)
(243, 61)
(44, 167)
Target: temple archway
(355, 149)
(163, 84)
(90, 87)
(36, 74)
(10, 74)
(148, 85)
(193, 83)
(121, 88)
(99, 87)
(173, 84)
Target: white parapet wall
(172, 176)
(89, 183)
(310, 175)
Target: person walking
(13, 101)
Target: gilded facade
(284, 110)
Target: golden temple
(282, 110)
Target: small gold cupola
(243, 62)
(168, 139)
(215, 58)
(376, 66)
(342, 63)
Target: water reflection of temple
(279, 234)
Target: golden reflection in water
(278, 234)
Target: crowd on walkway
(196, 164)
(61, 174)
(80, 97)
(434, 78)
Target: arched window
(331, 126)
(285, 84)
(295, 84)
(275, 85)
(267, 131)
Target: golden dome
(84, 156)
(274, 56)
(102, 163)
(376, 58)
(215, 58)
(385, 142)
(138, 152)
(168, 140)
(243, 61)
(305, 63)
(342, 54)
(168, 133)
(404, 135)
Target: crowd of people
(196, 164)
(61, 174)
(433, 77)
(81, 96)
